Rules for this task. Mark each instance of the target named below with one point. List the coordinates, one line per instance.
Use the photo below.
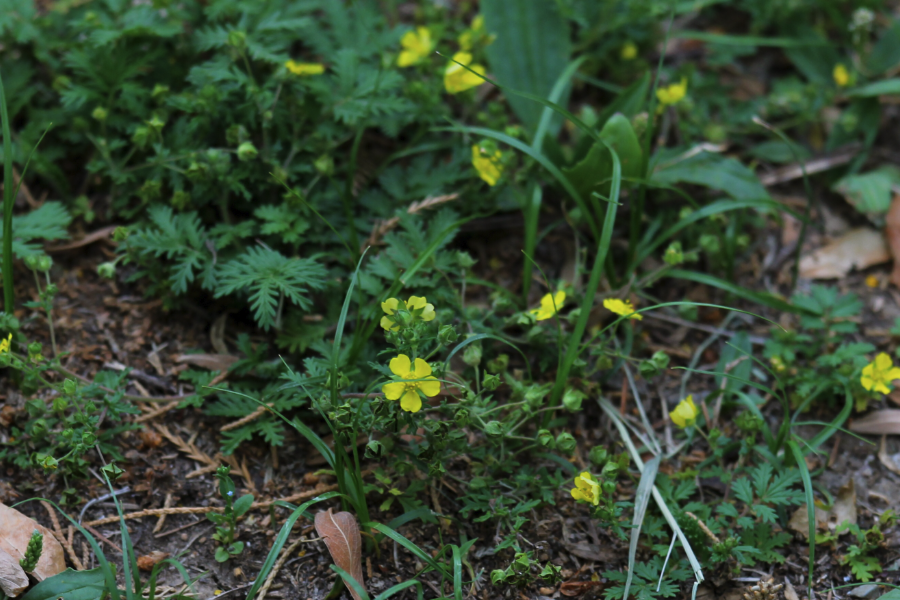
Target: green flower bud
(68, 434)
(447, 335)
(60, 405)
(598, 455)
(494, 428)
(100, 114)
(465, 260)
(120, 234)
(324, 165)
(566, 443)
(461, 417)
(141, 136)
(38, 428)
(472, 354)
(572, 399)
(710, 243)
(374, 449)
(247, 152)
(545, 439)
(106, 270)
(237, 39)
(499, 364)
(112, 471)
(748, 422)
(491, 382)
(674, 254)
(648, 369)
(88, 439)
(47, 462)
(61, 83)
(151, 190)
(159, 90)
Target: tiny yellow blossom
(672, 94)
(467, 38)
(621, 307)
(550, 305)
(629, 51)
(879, 373)
(872, 281)
(685, 414)
(841, 75)
(487, 164)
(418, 378)
(303, 69)
(6, 344)
(415, 303)
(417, 46)
(587, 489)
(457, 79)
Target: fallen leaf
(879, 422)
(886, 459)
(858, 248)
(148, 561)
(341, 534)
(892, 233)
(16, 530)
(789, 592)
(843, 509)
(213, 362)
(13, 579)
(577, 588)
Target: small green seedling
(226, 522)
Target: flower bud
(447, 335)
(566, 442)
(47, 462)
(374, 449)
(491, 382)
(545, 439)
(472, 354)
(572, 399)
(106, 270)
(60, 405)
(674, 254)
(247, 152)
(120, 234)
(100, 114)
(324, 165)
(598, 455)
(493, 428)
(237, 39)
(88, 439)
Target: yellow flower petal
(673, 93)
(487, 164)
(621, 307)
(457, 79)
(390, 305)
(550, 305)
(388, 324)
(883, 362)
(430, 387)
(420, 370)
(410, 402)
(303, 69)
(415, 302)
(417, 45)
(841, 75)
(393, 390)
(400, 366)
(685, 414)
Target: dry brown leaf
(341, 534)
(892, 233)
(213, 362)
(148, 561)
(16, 530)
(879, 422)
(858, 248)
(886, 459)
(13, 579)
(843, 509)
(577, 588)
(789, 592)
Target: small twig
(90, 503)
(58, 533)
(162, 518)
(278, 564)
(382, 228)
(260, 411)
(705, 529)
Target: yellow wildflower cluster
(416, 377)
(550, 305)
(6, 344)
(879, 373)
(672, 94)
(417, 305)
(417, 45)
(685, 414)
(458, 79)
(487, 163)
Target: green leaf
(870, 193)
(594, 172)
(70, 585)
(815, 60)
(885, 54)
(531, 50)
(877, 88)
(242, 504)
(710, 170)
(221, 554)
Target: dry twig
(383, 227)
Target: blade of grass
(712, 281)
(8, 199)
(810, 508)
(349, 580)
(487, 336)
(641, 500)
(400, 587)
(406, 543)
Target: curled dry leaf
(889, 462)
(844, 509)
(148, 561)
(858, 248)
(341, 534)
(13, 579)
(16, 530)
(577, 588)
(879, 422)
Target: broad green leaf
(877, 88)
(242, 504)
(69, 585)
(885, 53)
(815, 59)
(711, 170)
(594, 172)
(870, 193)
(531, 49)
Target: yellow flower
(685, 414)
(629, 51)
(408, 391)
(550, 305)
(587, 489)
(621, 307)
(415, 303)
(6, 344)
(417, 46)
(487, 164)
(467, 38)
(303, 69)
(673, 93)
(878, 373)
(872, 281)
(457, 79)
(841, 75)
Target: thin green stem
(8, 297)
